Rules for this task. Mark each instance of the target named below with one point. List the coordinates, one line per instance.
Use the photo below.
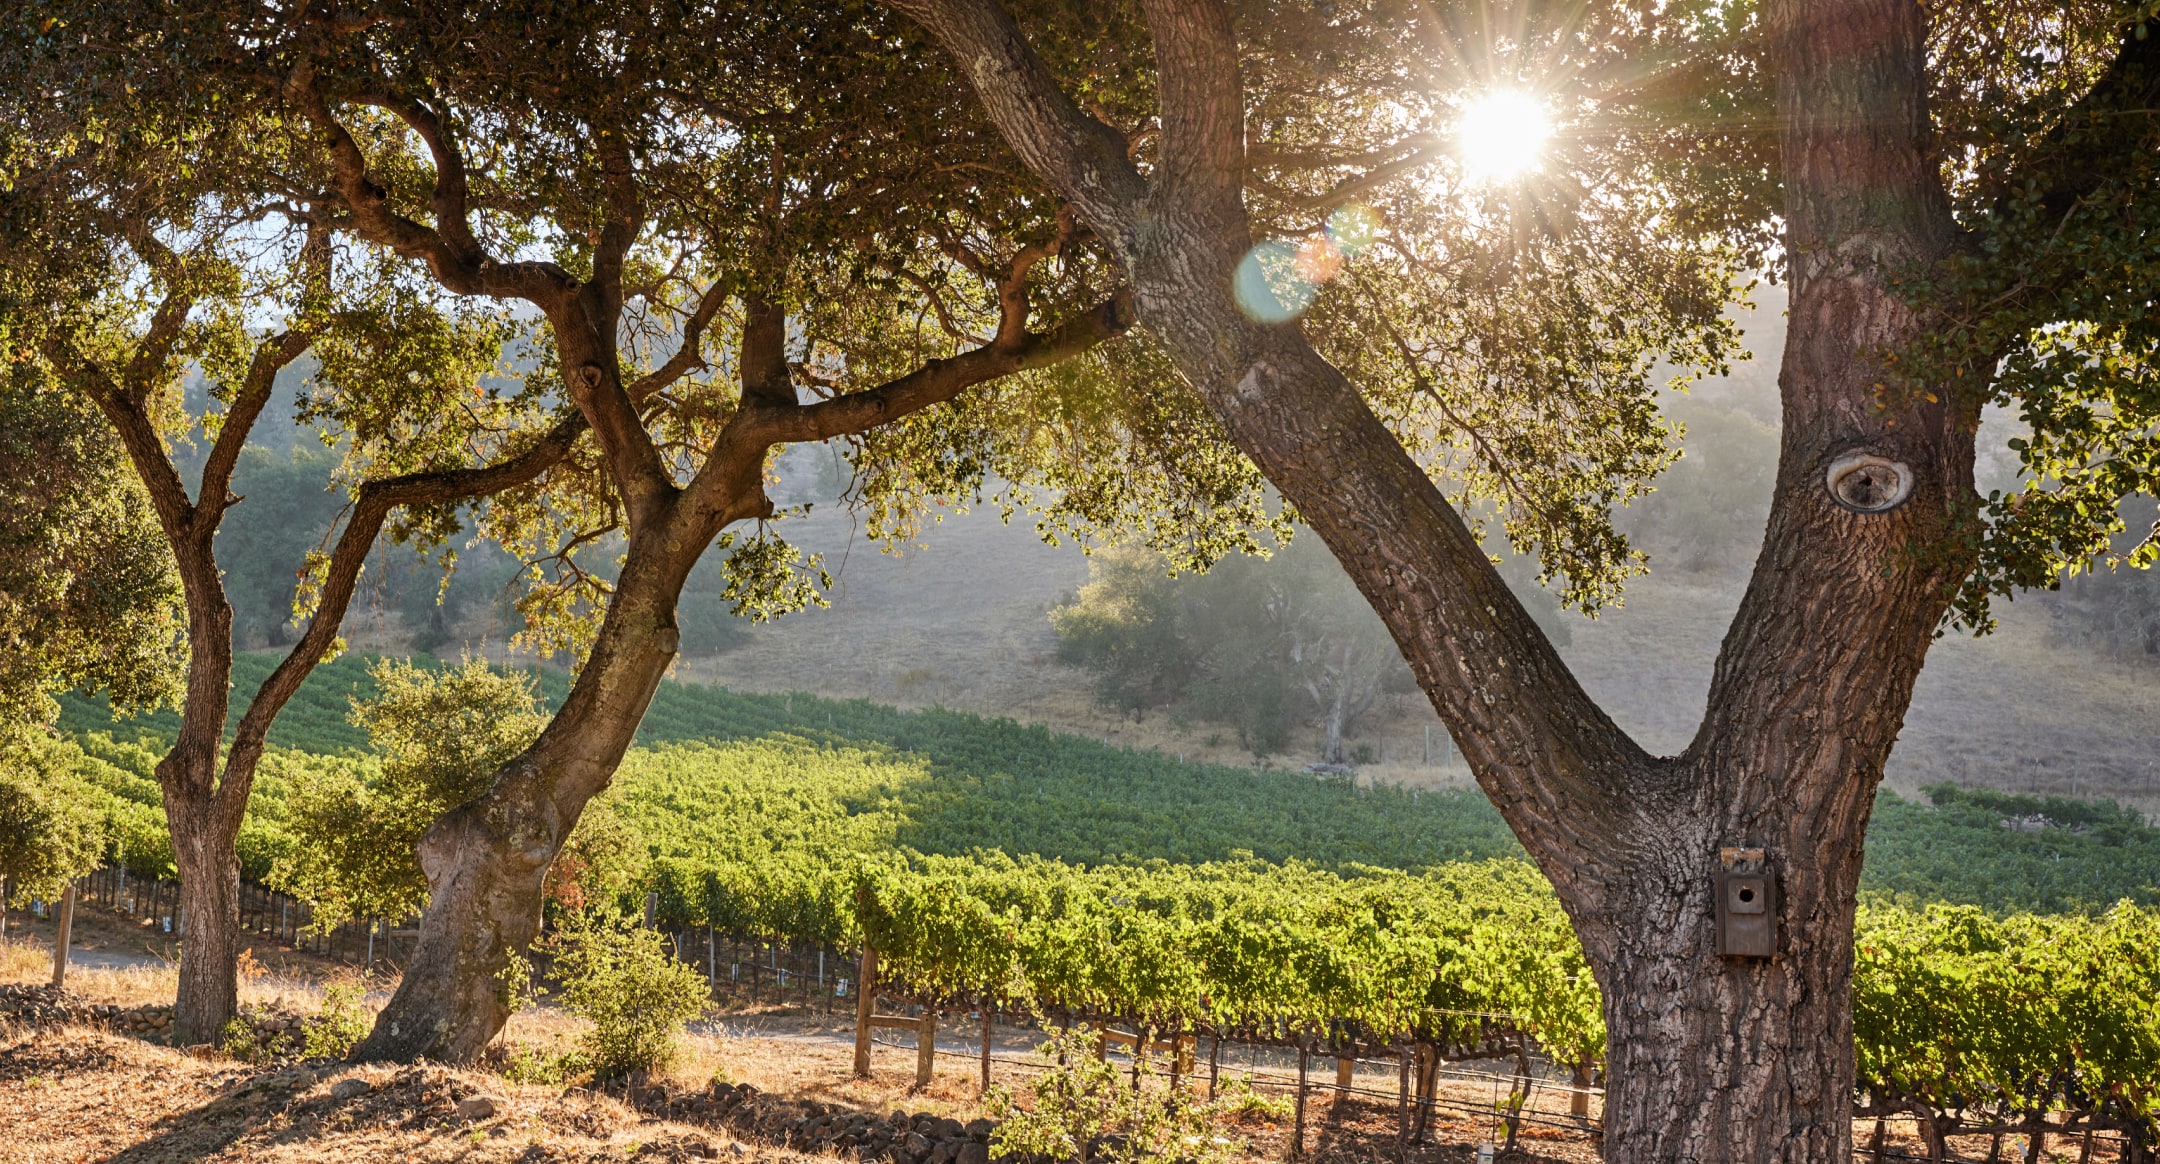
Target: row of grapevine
(1266, 952)
(950, 782)
(1980, 1024)
(2030, 1024)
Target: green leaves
(624, 980)
(2046, 313)
(439, 737)
(88, 598)
(767, 577)
(52, 829)
(2024, 1014)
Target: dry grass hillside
(961, 621)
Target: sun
(1501, 134)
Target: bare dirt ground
(84, 1093)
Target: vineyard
(995, 865)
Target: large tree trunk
(487, 860)
(209, 993)
(203, 819)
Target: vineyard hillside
(718, 770)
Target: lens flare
(1501, 134)
(1278, 280)
(1267, 284)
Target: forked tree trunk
(204, 783)
(487, 860)
(202, 819)
(1710, 1059)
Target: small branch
(941, 380)
(689, 354)
(466, 272)
(272, 356)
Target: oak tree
(728, 231)
(1961, 206)
(148, 238)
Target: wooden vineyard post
(1579, 1102)
(1426, 1080)
(926, 1048)
(986, 1049)
(1345, 1075)
(1297, 1139)
(1181, 1059)
(62, 939)
(865, 997)
(1402, 1106)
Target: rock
(916, 1145)
(480, 1107)
(350, 1087)
(979, 1128)
(972, 1153)
(946, 1129)
(943, 1153)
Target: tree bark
(209, 994)
(1710, 1058)
(486, 860)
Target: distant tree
(1261, 645)
(293, 504)
(52, 822)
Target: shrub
(1240, 1101)
(240, 1040)
(439, 736)
(1084, 1109)
(638, 998)
(52, 823)
(340, 1025)
(519, 1063)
